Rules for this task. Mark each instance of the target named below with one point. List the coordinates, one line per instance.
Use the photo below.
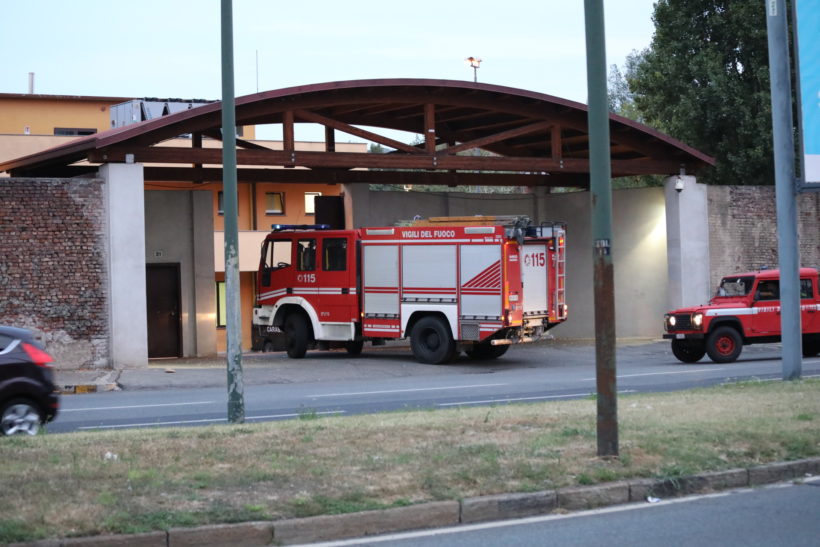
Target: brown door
(162, 282)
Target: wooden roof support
(556, 144)
(498, 137)
(430, 128)
(348, 160)
(375, 137)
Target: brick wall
(743, 229)
(52, 273)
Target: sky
(171, 48)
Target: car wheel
(688, 351)
(724, 345)
(486, 351)
(20, 417)
(431, 342)
(296, 330)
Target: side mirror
(266, 277)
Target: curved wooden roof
(531, 138)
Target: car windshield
(735, 286)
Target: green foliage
(704, 80)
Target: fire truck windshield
(735, 286)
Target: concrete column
(357, 205)
(203, 265)
(125, 211)
(539, 195)
(687, 232)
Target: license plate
(680, 336)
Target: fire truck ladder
(560, 272)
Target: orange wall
(294, 204)
(43, 115)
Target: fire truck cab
(477, 288)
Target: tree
(704, 80)
(622, 102)
(620, 98)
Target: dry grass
(132, 481)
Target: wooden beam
(363, 133)
(349, 160)
(498, 137)
(216, 134)
(430, 128)
(306, 176)
(556, 144)
(287, 131)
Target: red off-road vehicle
(745, 310)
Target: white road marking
(208, 420)
(350, 394)
(536, 398)
(135, 406)
(661, 373)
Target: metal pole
(785, 186)
(601, 195)
(236, 400)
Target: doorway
(163, 306)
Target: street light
(474, 62)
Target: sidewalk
(169, 373)
(202, 372)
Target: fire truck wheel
(354, 347)
(485, 351)
(431, 341)
(296, 330)
(688, 351)
(811, 348)
(724, 345)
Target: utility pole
(601, 194)
(785, 184)
(236, 387)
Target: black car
(28, 397)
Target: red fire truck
(448, 287)
(745, 310)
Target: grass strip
(133, 481)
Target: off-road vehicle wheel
(724, 345)
(688, 351)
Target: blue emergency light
(283, 227)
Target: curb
(447, 513)
(71, 389)
(106, 382)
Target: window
(74, 131)
(334, 254)
(310, 202)
(805, 288)
(768, 290)
(306, 255)
(221, 306)
(274, 203)
(277, 253)
(220, 203)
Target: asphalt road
(381, 379)
(784, 514)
